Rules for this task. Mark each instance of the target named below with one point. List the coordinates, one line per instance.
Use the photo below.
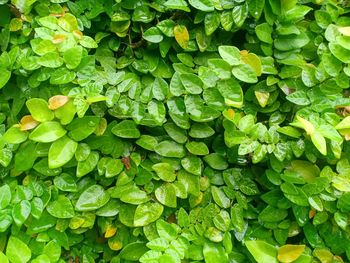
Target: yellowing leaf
(115, 244)
(262, 98)
(28, 123)
(58, 38)
(57, 101)
(182, 36)
(308, 127)
(289, 253)
(345, 30)
(253, 61)
(110, 231)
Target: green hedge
(174, 131)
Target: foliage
(174, 131)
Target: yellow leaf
(252, 60)
(115, 244)
(308, 127)
(182, 36)
(344, 30)
(324, 255)
(110, 231)
(78, 34)
(262, 97)
(59, 38)
(289, 253)
(28, 123)
(57, 101)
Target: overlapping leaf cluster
(174, 131)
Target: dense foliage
(174, 131)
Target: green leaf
(14, 135)
(216, 161)
(92, 198)
(165, 171)
(5, 196)
(61, 207)
(177, 4)
(50, 60)
(81, 128)
(231, 91)
(245, 73)
(21, 212)
(203, 5)
(230, 54)
(88, 165)
(39, 109)
(166, 195)
(319, 141)
(61, 152)
(5, 76)
(213, 253)
(201, 131)
(53, 250)
(263, 32)
(47, 132)
(192, 165)
(256, 7)
(220, 198)
(72, 57)
(147, 213)
(153, 35)
(126, 129)
(197, 148)
(62, 76)
(170, 149)
(17, 251)
(192, 83)
(262, 251)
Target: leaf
(81, 128)
(203, 5)
(213, 253)
(72, 57)
(166, 195)
(126, 129)
(255, 8)
(232, 92)
(290, 253)
(230, 54)
(192, 165)
(5, 76)
(192, 83)
(92, 198)
(17, 251)
(182, 36)
(50, 60)
(61, 207)
(57, 101)
(245, 73)
(21, 212)
(177, 4)
(28, 123)
(14, 135)
(164, 171)
(5, 196)
(262, 251)
(39, 109)
(47, 132)
(153, 35)
(263, 32)
(319, 141)
(147, 213)
(170, 149)
(61, 152)
(88, 165)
